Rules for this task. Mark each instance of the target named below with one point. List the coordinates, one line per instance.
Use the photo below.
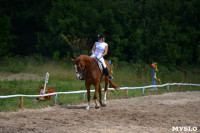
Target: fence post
(179, 88)
(84, 96)
(167, 87)
(126, 93)
(21, 102)
(143, 90)
(55, 98)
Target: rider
(99, 50)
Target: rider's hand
(99, 56)
(92, 56)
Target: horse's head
(80, 68)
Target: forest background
(163, 31)
(39, 36)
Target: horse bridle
(82, 72)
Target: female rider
(99, 50)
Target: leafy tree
(167, 32)
(6, 38)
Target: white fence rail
(84, 91)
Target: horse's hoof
(104, 102)
(87, 108)
(97, 107)
(104, 105)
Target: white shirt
(100, 48)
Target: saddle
(100, 65)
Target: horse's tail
(112, 85)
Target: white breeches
(103, 62)
(101, 59)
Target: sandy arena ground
(148, 114)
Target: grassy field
(62, 79)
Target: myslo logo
(184, 128)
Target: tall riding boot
(107, 73)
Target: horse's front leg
(95, 95)
(88, 95)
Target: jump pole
(154, 75)
(46, 81)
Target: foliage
(6, 38)
(167, 32)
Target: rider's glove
(92, 56)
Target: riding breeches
(101, 59)
(103, 62)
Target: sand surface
(148, 114)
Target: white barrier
(84, 91)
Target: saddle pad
(100, 65)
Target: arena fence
(85, 91)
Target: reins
(85, 70)
(82, 70)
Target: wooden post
(21, 102)
(179, 88)
(126, 93)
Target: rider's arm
(106, 51)
(93, 49)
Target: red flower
(42, 88)
(153, 65)
(51, 90)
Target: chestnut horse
(87, 67)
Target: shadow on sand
(72, 107)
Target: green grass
(62, 79)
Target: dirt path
(146, 114)
(7, 76)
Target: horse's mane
(86, 58)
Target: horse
(87, 67)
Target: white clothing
(99, 50)
(103, 62)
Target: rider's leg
(105, 68)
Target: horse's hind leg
(100, 96)
(106, 90)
